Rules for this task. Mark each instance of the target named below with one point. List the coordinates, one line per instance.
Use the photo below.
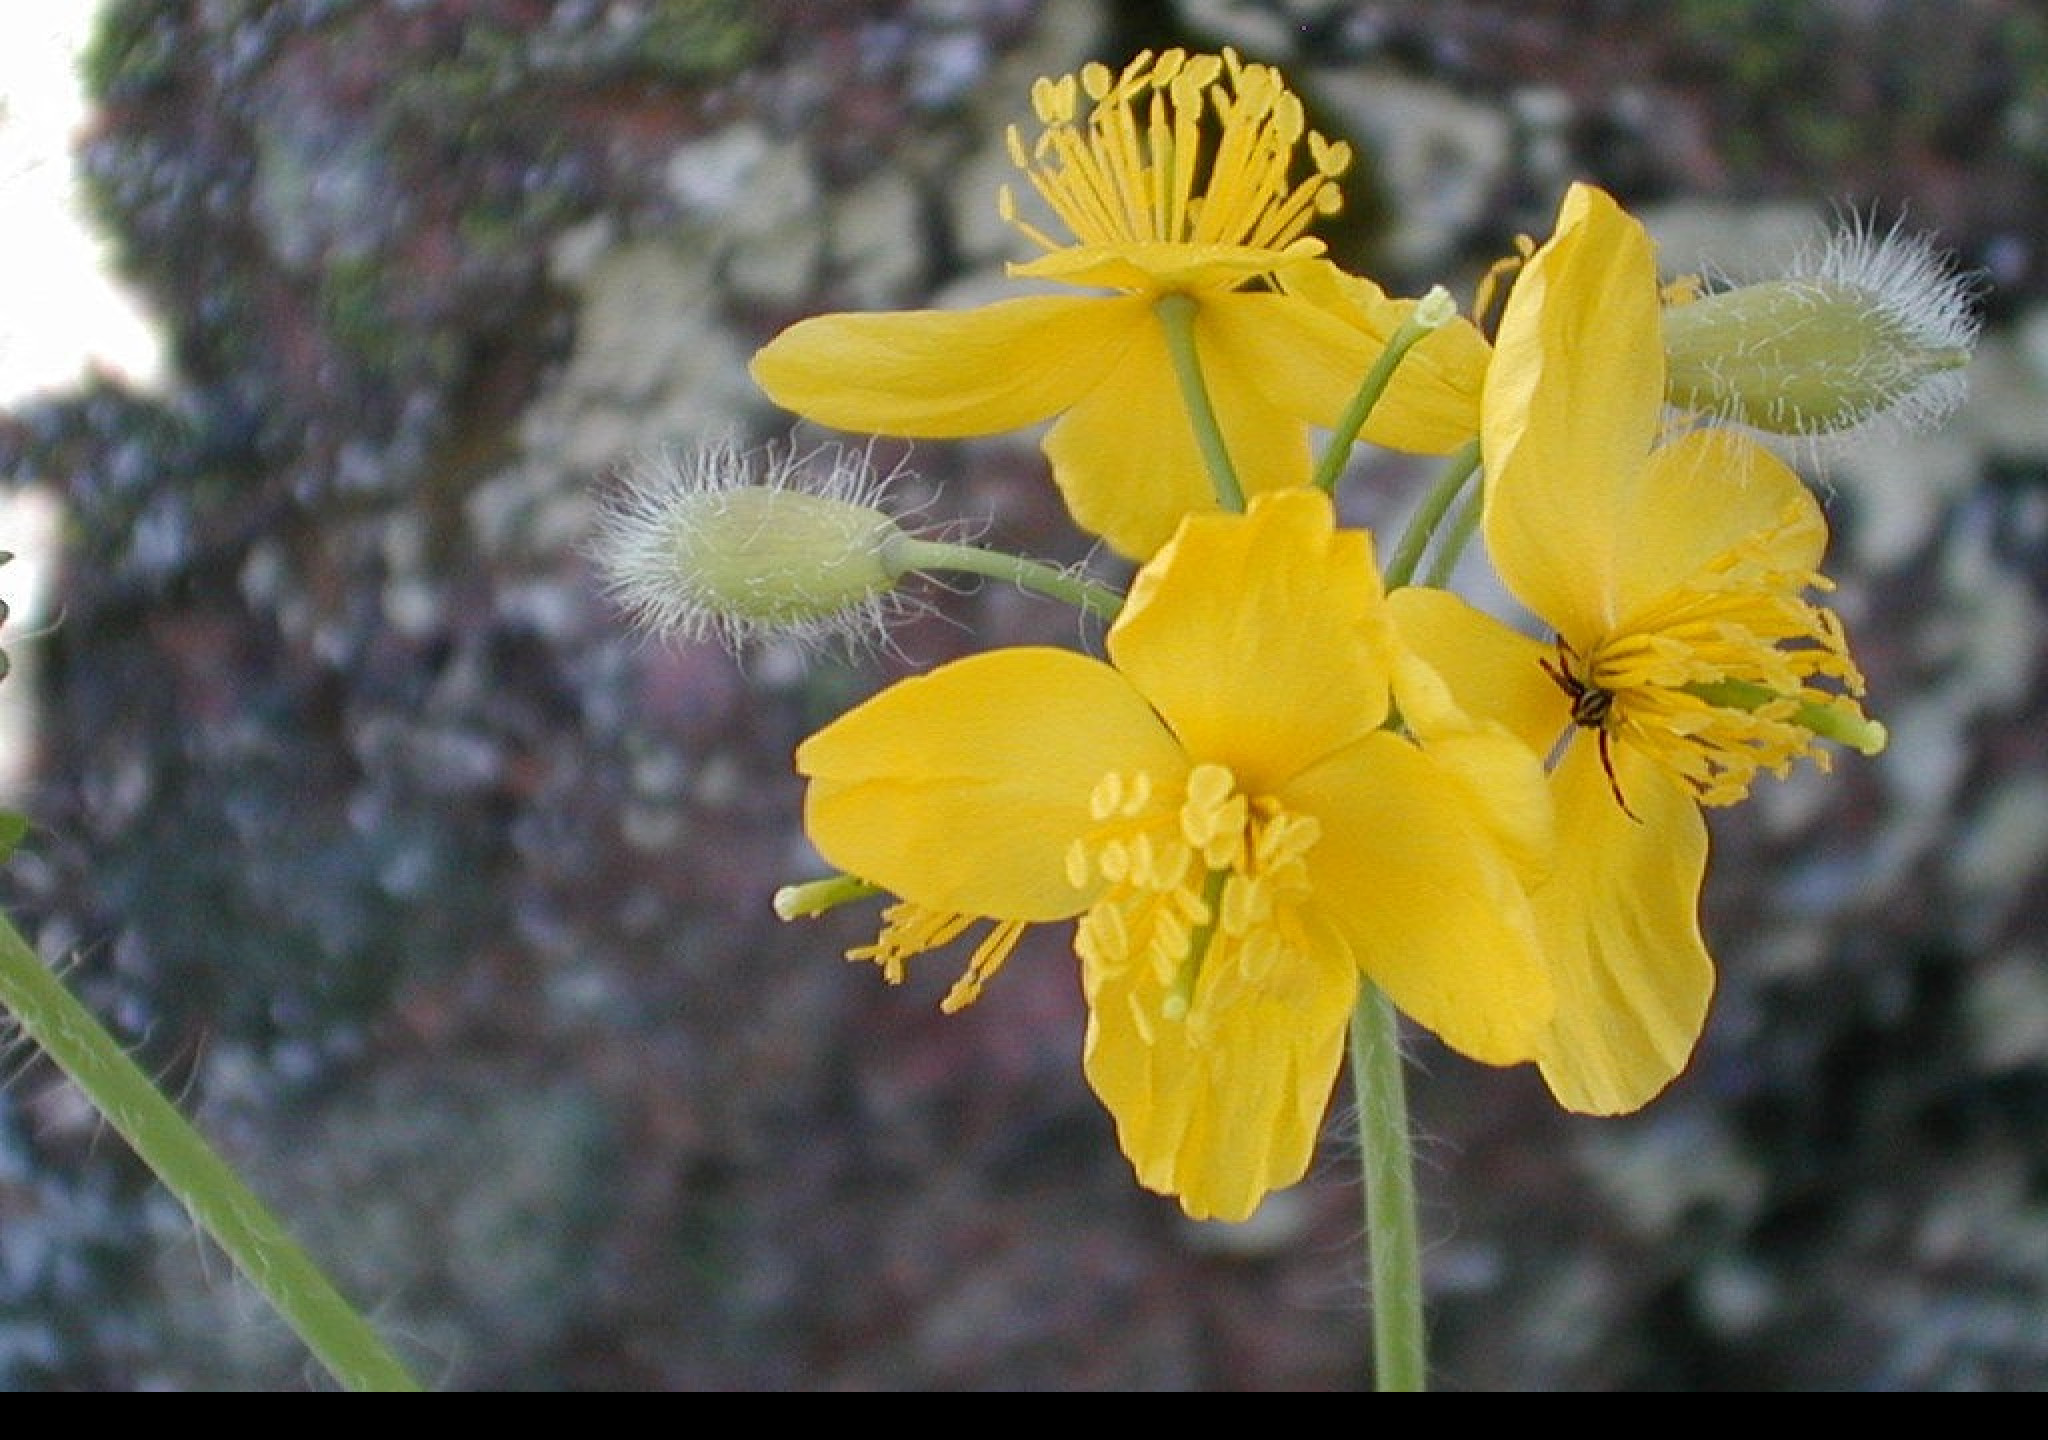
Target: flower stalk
(1177, 316)
(1393, 1251)
(1457, 534)
(1432, 312)
(214, 1195)
(1386, 1154)
(906, 554)
(1429, 515)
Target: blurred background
(440, 898)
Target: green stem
(1176, 314)
(193, 1171)
(1430, 313)
(1430, 514)
(908, 553)
(1400, 1347)
(1387, 1159)
(1452, 548)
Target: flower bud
(1876, 325)
(702, 550)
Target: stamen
(1199, 895)
(988, 958)
(1733, 673)
(1592, 709)
(910, 930)
(1120, 177)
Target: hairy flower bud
(1875, 325)
(702, 550)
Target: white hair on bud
(1903, 320)
(1916, 287)
(664, 500)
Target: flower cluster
(1295, 778)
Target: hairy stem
(223, 1207)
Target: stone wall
(442, 898)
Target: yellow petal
(1700, 497)
(1621, 929)
(1222, 1122)
(1494, 671)
(1154, 267)
(1501, 771)
(1432, 405)
(1125, 456)
(1570, 406)
(962, 789)
(1435, 913)
(948, 373)
(1505, 789)
(1260, 639)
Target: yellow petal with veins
(1620, 920)
(1435, 914)
(1222, 1122)
(1260, 639)
(948, 373)
(1570, 408)
(963, 789)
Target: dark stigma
(1592, 708)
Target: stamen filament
(1119, 177)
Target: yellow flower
(1673, 573)
(1178, 181)
(1237, 834)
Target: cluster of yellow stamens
(910, 929)
(1731, 673)
(1200, 893)
(1136, 174)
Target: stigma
(1732, 673)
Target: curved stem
(1429, 515)
(1457, 535)
(1430, 313)
(1400, 1347)
(193, 1171)
(908, 553)
(1177, 314)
